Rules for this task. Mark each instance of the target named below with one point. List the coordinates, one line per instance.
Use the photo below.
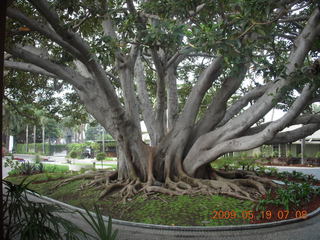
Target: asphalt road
(52, 160)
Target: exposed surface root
(246, 187)
(109, 189)
(156, 189)
(90, 175)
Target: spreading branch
(252, 141)
(294, 135)
(60, 71)
(192, 105)
(43, 29)
(89, 59)
(216, 110)
(28, 68)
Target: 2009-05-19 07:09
(280, 214)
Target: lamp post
(303, 142)
(102, 133)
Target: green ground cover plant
(24, 168)
(28, 220)
(185, 210)
(156, 209)
(292, 194)
(236, 162)
(56, 168)
(28, 168)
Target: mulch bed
(273, 213)
(315, 183)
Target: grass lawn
(113, 166)
(55, 168)
(155, 209)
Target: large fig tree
(201, 74)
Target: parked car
(19, 159)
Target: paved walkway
(306, 170)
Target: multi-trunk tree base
(239, 184)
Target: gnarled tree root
(247, 187)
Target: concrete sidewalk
(306, 170)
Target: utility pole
(103, 147)
(34, 137)
(43, 149)
(303, 141)
(27, 137)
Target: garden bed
(185, 210)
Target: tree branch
(243, 101)
(60, 71)
(143, 96)
(294, 135)
(304, 119)
(160, 92)
(89, 59)
(216, 110)
(28, 68)
(172, 97)
(179, 56)
(44, 30)
(192, 162)
(272, 95)
(191, 108)
(294, 19)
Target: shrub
(27, 168)
(34, 148)
(39, 168)
(261, 170)
(97, 224)
(38, 221)
(292, 193)
(58, 147)
(101, 156)
(23, 168)
(247, 163)
(227, 163)
(11, 163)
(37, 158)
(51, 168)
(73, 154)
(80, 147)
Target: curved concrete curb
(185, 228)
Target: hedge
(49, 149)
(80, 147)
